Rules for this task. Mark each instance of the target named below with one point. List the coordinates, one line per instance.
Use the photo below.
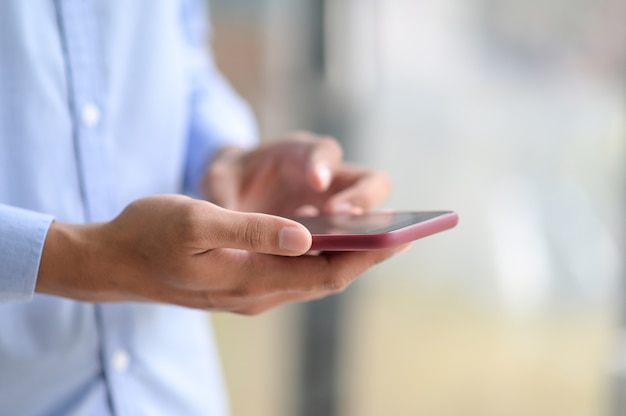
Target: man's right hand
(174, 249)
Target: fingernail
(323, 173)
(294, 239)
(347, 208)
(306, 211)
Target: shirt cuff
(22, 236)
(219, 118)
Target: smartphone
(374, 230)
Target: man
(112, 117)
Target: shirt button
(90, 115)
(120, 361)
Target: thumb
(260, 233)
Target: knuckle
(381, 257)
(300, 135)
(253, 234)
(332, 145)
(245, 292)
(337, 283)
(386, 182)
(187, 220)
(383, 177)
(251, 311)
(242, 293)
(207, 300)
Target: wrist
(227, 154)
(222, 176)
(65, 268)
(58, 253)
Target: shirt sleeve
(218, 115)
(22, 235)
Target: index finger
(327, 272)
(363, 189)
(243, 278)
(326, 155)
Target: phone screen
(370, 223)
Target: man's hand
(179, 250)
(300, 174)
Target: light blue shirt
(103, 102)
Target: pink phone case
(367, 242)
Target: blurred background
(511, 112)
